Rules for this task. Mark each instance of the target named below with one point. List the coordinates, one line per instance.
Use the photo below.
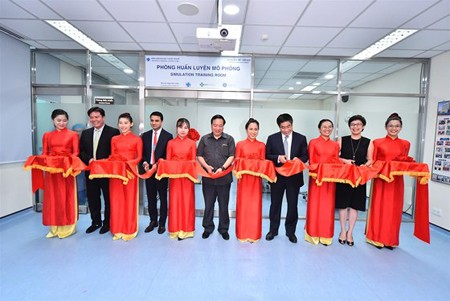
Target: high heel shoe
(341, 241)
(350, 243)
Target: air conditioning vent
(307, 75)
(10, 33)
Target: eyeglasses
(356, 124)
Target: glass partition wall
(308, 88)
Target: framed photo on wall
(441, 157)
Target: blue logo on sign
(202, 84)
(188, 84)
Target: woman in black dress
(351, 200)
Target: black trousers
(292, 187)
(94, 189)
(222, 194)
(155, 187)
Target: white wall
(15, 96)
(439, 90)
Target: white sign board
(198, 72)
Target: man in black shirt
(216, 153)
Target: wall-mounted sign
(441, 159)
(198, 72)
(104, 100)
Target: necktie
(96, 138)
(286, 147)
(155, 139)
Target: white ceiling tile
(444, 23)
(319, 66)
(399, 53)
(160, 47)
(358, 37)
(332, 13)
(38, 9)
(344, 52)
(61, 44)
(370, 67)
(149, 32)
(300, 50)
(111, 46)
(79, 10)
(34, 29)
(280, 74)
(276, 35)
(9, 10)
(424, 39)
(134, 10)
(287, 64)
(444, 46)
(429, 16)
(391, 14)
(311, 36)
(430, 53)
(259, 49)
(207, 13)
(281, 12)
(103, 31)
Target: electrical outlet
(436, 211)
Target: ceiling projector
(221, 38)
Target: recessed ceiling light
(291, 88)
(231, 9)
(298, 83)
(128, 71)
(329, 76)
(316, 92)
(384, 43)
(316, 84)
(188, 9)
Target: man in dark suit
(281, 147)
(155, 144)
(95, 144)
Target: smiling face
(96, 119)
(286, 128)
(155, 122)
(60, 122)
(393, 128)
(125, 125)
(252, 131)
(326, 128)
(356, 127)
(217, 127)
(182, 130)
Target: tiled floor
(154, 267)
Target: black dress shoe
(341, 241)
(270, 235)
(389, 248)
(205, 235)
(161, 229)
(104, 229)
(150, 227)
(225, 235)
(292, 238)
(93, 227)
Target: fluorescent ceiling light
(76, 35)
(231, 9)
(384, 43)
(298, 83)
(316, 92)
(82, 39)
(308, 88)
(291, 88)
(316, 84)
(329, 76)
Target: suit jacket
(103, 147)
(299, 149)
(160, 150)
